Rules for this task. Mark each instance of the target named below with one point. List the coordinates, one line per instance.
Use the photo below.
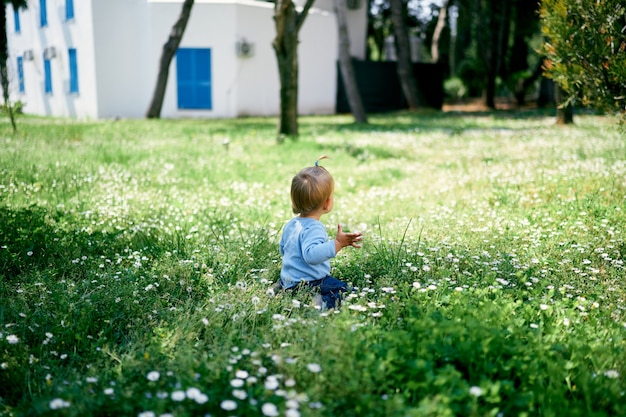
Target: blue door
(193, 67)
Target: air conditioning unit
(245, 49)
(49, 53)
(28, 55)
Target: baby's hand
(347, 239)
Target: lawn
(137, 258)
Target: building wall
(203, 30)
(256, 81)
(357, 23)
(119, 45)
(61, 35)
(124, 66)
(317, 54)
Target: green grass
(136, 256)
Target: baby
(304, 244)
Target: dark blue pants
(330, 289)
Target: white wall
(211, 25)
(119, 45)
(123, 63)
(357, 24)
(61, 35)
(317, 54)
(256, 80)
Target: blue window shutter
(193, 67)
(20, 73)
(16, 19)
(73, 70)
(47, 69)
(43, 13)
(69, 9)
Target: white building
(99, 58)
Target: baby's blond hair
(310, 188)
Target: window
(20, 73)
(69, 9)
(43, 13)
(193, 68)
(16, 19)
(73, 71)
(47, 69)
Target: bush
(454, 88)
(18, 108)
(586, 50)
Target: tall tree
(525, 21)
(288, 23)
(169, 50)
(586, 51)
(4, 55)
(492, 33)
(403, 54)
(564, 109)
(345, 64)
(441, 24)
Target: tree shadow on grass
(33, 238)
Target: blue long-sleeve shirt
(306, 251)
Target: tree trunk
(4, 70)
(403, 53)
(288, 23)
(564, 111)
(441, 24)
(345, 63)
(492, 39)
(169, 50)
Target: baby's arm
(347, 239)
(316, 248)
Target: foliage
(17, 108)
(136, 259)
(585, 50)
(454, 88)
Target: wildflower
(612, 373)
(271, 383)
(92, 379)
(236, 383)
(58, 403)
(269, 410)
(314, 367)
(228, 405)
(109, 391)
(566, 321)
(192, 393)
(178, 395)
(543, 306)
(12, 339)
(241, 374)
(534, 326)
(292, 412)
(476, 391)
(240, 394)
(153, 376)
(146, 414)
